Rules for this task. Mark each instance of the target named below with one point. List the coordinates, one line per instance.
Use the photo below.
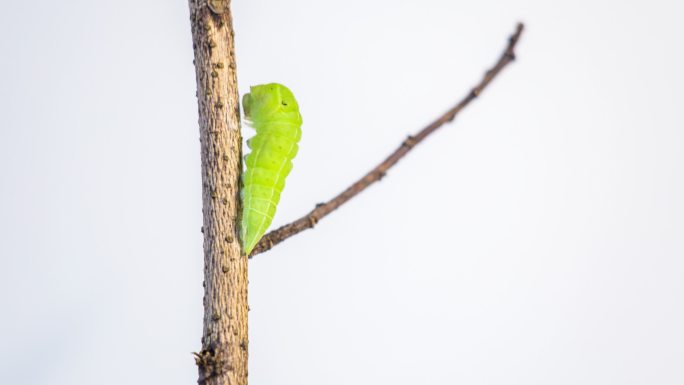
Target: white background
(538, 240)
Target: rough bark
(223, 358)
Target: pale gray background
(537, 241)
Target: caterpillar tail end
(248, 244)
(248, 248)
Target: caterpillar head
(268, 101)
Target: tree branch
(223, 358)
(322, 209)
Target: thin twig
(322, 209)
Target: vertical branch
(223, 358)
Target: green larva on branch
(273, 112)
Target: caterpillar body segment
(273, 112)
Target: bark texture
(223, 358)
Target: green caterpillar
(273, 112)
